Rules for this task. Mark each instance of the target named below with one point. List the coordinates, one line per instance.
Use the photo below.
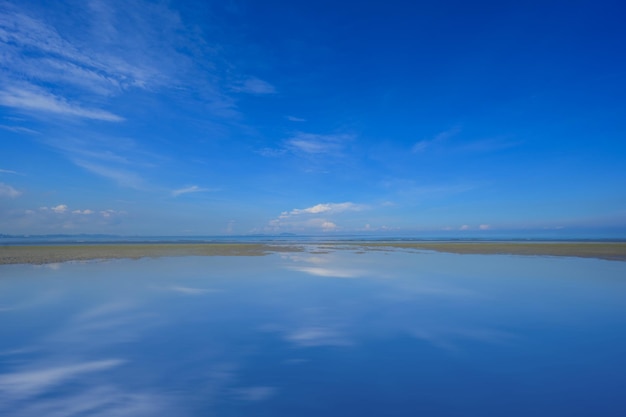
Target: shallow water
(381, 333)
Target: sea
(331, 330)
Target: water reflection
(337, 332)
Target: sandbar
(45, 254)
(615, 251)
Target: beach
(44, 254)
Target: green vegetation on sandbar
(62, 253)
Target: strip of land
(37, 254)
(47, 254)
(615, 251)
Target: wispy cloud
(191, 290)
(121, 176)
(100, 401)
(317, 336)
(121, 46)
(40, 101)
(426, 144)
(117, 159)
(295, 119)
(19, 129)
(191, 189)
(9, 192)
(481, 145)
(254, 85)
(32, 382)
(489, 145)
(316, 144)
(83, 59)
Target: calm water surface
(342, 333)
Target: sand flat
(601, 250)
(43, 254)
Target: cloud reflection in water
(287, 335)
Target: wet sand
(615, 251)
(63, 253)
(37, 254)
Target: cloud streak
(7, 191)
(424, 145)
(317, 336)
(121, 176)
(39, 101)
(30, 383)
(316, 144)
(255, 86)
(8, 171)
(190, 190)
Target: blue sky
(236, 117)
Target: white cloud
(484, 227)
(307, 218)
(255, 85)
(110, 213)
(60, 209)
(325, 208)
(295, 119)
(63, 218)
(328, 226)
(30, 99)
(7, 171)
(83, 212)
(191, 189)
(7, 191)
(464, 227)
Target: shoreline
(46, 254)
